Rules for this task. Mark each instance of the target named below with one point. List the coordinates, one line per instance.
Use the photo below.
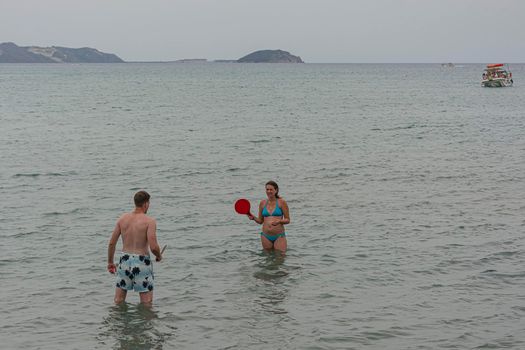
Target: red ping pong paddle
(242, 206)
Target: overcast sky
(317, 30)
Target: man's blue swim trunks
(135, 272)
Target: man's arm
(112, 246)
(152, 239)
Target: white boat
(497, 75)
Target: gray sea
(405, 185)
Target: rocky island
(12, 53)
(270, 56)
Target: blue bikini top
(276, 212)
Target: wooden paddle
(163, 249)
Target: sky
(319, 31)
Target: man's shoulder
(151, 219)
(124, 216)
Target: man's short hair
(140, 198)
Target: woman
(273, 215)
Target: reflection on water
(271, 268)
(272, 272)
(131, 327)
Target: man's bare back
(137, 229)
(135, 268)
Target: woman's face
(270, 191)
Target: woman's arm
(259, 219)
(286, 213)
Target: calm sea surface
(405, 183)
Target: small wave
(189, 174)
(259, 141)
(58, 213)
(269, 276)
(5, 262)
(219, 257)
(507, 275)
(506, 253)
(50, 174)
(378, 335)
(451, 245)
(67, 173)
(23, 234)
(432, 286)
(499, 256)
(520, 308)
(185, 277)
(27, 175)
(402, 127)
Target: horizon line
(204, 61)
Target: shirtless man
(135, 268)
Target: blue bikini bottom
(273, 238)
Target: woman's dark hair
(140, 198)
(274, 185)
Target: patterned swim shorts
(135, 272)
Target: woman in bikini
(273, 215)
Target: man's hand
(112, 268)
(158, 258)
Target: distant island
(12, 53)
(261, 56)
(270, 56)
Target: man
(135, 268)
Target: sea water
(405, 185)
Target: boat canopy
(498, 67)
